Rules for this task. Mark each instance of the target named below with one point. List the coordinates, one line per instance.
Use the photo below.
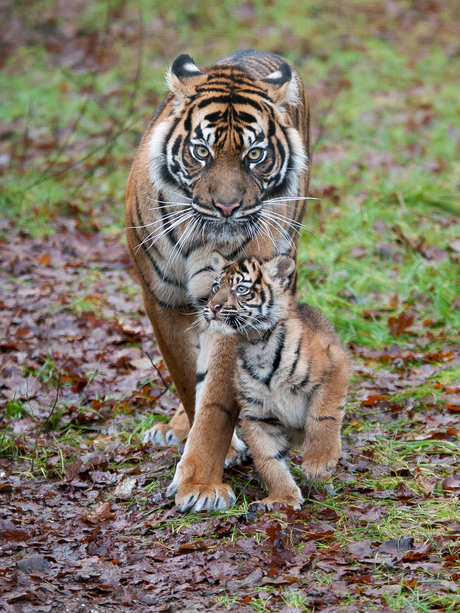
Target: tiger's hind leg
(268, 442)
(172, 433)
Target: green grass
(387, 111)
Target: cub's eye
(215, 287)
(242, 290)
(255, 154)
(201, 151)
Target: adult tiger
(223, 164)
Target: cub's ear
(279, 269)
(184, 76)
(283, 86)
(218, 261)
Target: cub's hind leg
(322, 445)
(269, 444)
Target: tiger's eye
(201, 151)
(255, 154)
(242, 289)
(215, 287)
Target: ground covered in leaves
(85, 525)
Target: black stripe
(233, 254)
(141, 222)
(232, 99)
(278, 355)
(200, 377)
(271, 421)
(281, 455)
(165, 305)
(146, 248)
(267, 335)
(204, 269)
(201, 301)
(249, 369)
(324, 418)
(297, 354)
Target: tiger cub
(292, 372)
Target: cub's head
(226, 146)
(249, 294)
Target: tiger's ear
(283, 86)
(279, 269)
(184, 76)
(218, 261)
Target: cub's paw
(193, 497)
(294, 501)
(319, 468)
(161, 434)
(238, 454)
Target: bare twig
(40, 430)
(43, 177)
(121, 124)
(158, 371)
(324, 126)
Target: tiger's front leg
(197, 483)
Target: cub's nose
(215, 307)
(227, 209)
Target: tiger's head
(227, 145)
(249, 294)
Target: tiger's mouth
(230, 228)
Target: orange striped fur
(223, 164)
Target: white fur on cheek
(156, 157)
(299, 160)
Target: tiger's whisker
(153, 238)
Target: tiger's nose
(227, 209)
(215, 307)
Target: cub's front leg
(197, 483)
(269, 446)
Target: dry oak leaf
(399, 325)
(100, 513)
(10, 532)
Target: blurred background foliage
(80, 78)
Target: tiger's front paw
(194, 497)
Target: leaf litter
(85, 523)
